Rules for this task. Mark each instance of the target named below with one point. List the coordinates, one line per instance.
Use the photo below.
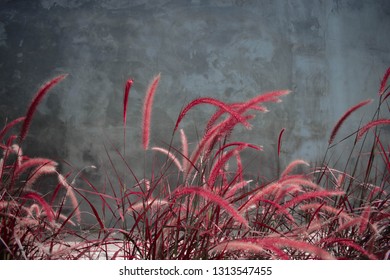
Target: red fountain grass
(269, 243)
(206, 207)
(10, 125)
(370, 125)
(147, 111)
(170, 155)
(126, 94)
(35, 102)
(337, 126)
(26, 228)
(49, 212)
(184, 149)
(128, 86)
(386, 76)
(207, 100)
(216, 169)
(208, 195)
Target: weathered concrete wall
(331, 54)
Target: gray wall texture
(331, 54)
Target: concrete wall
(331, 54)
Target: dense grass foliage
(200, 203)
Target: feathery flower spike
(344, 117)
(35, 102)
(384, 81)
(147, 111)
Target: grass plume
(35, 102)
(383, 83)
(338, 124)
(147, 111)
(48, 210)
(208, 195)
(170, 155)
(370, 125)
(126, 94)
(207, 100)
(11, 124)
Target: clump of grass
(201, 203)
(303, 216)
(30, 224)
(358, 222)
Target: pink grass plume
(239, 170)
(243, 144)
(382, 87)
(223, 159)
(11, 124)
(128, 86)
(348, 243)
(291, 166)
(207, 100)
(365, 219)
(210, 136)
(235, 106)
(147, 111)
(48, 210)
(344, 117)
(126, 94)
(270, 243)
(208, 195)
(272, 96)
(71, 194)
(35, 102)
(233, 189)
(299, 245)
(33, 162)
(339, 212)
(310, 195)
(270, 188)
(370, 125)
(170, 155)
(216, 169)
(184, 149)
(238, 245)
